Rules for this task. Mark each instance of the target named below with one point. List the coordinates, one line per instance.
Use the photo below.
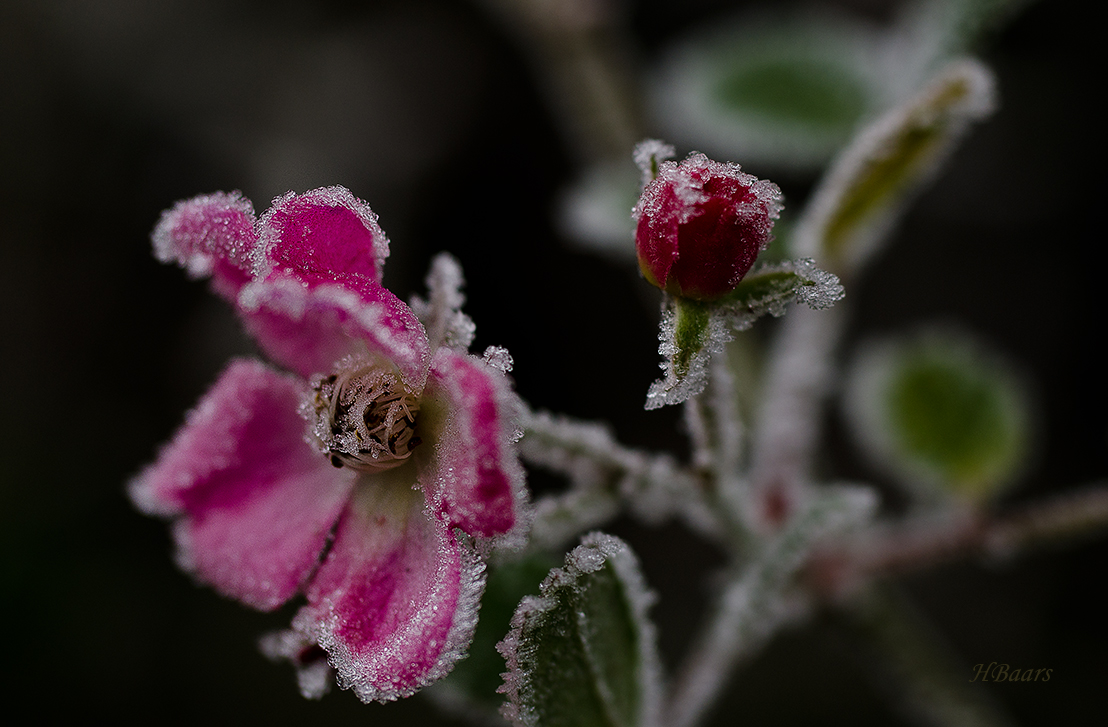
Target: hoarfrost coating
(370, 480)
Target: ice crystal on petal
(499, 358)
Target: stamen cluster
(364, 416)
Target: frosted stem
(716, 433)
(800, 367)
(757, 603)
(605, 477)
(747, 616)
(925, 541)
(922, 675)
(582, 60)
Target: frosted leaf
(940, 413)
(584, 651)
(441, 312)
(470, 690)
(934, 32)
(649, 155)
(770, 288)
(869, 184)
(776, 90)
(594, 211)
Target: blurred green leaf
(800, 90)
(887, 163)
(938, 409)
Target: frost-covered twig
(757, 604)
(716, 434)
(799, 371)
(605, 477)
(925, 541)
(917, 669)
(582, 61)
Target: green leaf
(887, 163)
(474, 681)
(800, 90)
(776, 90)
(583, 653)
(941, 413)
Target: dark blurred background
(112, 110)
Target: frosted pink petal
(394, 604)
(327, 232)
(469, 471)
(309, 327)
(210, 235)
(256, 502)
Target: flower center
(364, 415)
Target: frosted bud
(701, 224)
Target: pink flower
(370, 478)
(701, 224)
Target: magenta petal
(309, 328)
(256, 502)
(470, 470)
(210, 235)
(394, 605)
(325, 232)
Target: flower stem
(799, 372)
(921, 542)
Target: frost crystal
(441, 313)
(687, 344)
(649, 155)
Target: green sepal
(583, 653)
(692, 330)
(769, 288)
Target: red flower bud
(701, 224)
